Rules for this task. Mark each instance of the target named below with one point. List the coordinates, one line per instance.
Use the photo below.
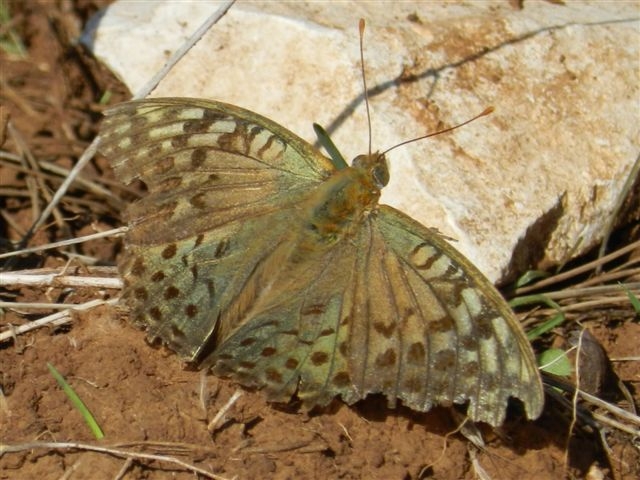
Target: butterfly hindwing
(458, 339)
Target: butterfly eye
(380, 173)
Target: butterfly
(254, 254)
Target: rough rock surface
(534, 182)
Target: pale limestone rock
(536, 180)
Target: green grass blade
(546, 326)
(635, 303)
(10, 42)
(79, 404)
(530, 276)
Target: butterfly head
(375, 167)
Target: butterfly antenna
(485, 112)
(364, 79)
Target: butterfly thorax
(340, 204)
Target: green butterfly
(254, 254)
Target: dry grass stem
(55, 319)
(584, 268)
(219, 418)
(48, 278)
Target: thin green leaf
(530, 276)
(531, 299)
(545, 327)
(325, 140)
(79, 404)
(635, 303)
(10, 42)
(550, 324)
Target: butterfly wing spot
(292, 363)
(313, 309)
(191, 310)
(319, 358)
(268, 351)
(154, 151)
(342, 380)
(501, 332)
(387, 358)
(198, 201)
(416, 354)
(180, 142)
(158, 276)
(273, 375)
(488, 354)
(197, 126)
(386, 330)
(198, 157)
(442, 325)
(470, 370)
(445, 360)
(169, 251)
(423, 256)
(138, 267)
(140, 137)
(171, 292)
(138, 122)
(222, 248)
(484, 327)
(169, 184)
(163, 165)
(194, 272)
(211, 288)
(141, 294)
(472, 301)
(468, 343)
(155, 314)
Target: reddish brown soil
(143, 397)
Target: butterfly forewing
(223, 185)
(205, 164)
